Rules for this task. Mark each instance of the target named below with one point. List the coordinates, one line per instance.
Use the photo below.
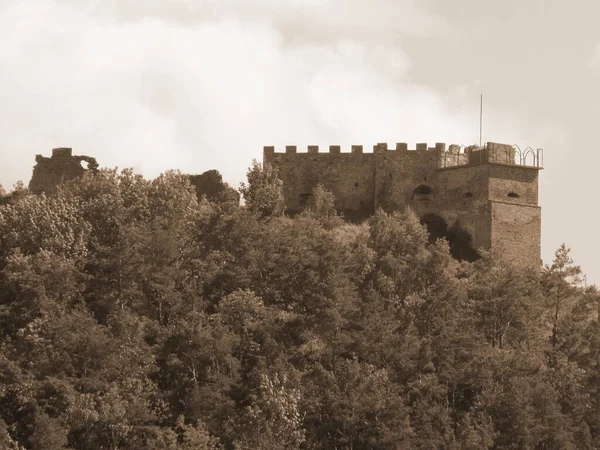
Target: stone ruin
(61, 167)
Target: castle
(477, 197)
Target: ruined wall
(61, 167)
(211, 185)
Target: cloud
(201, 85)
(313, 19)
(594, 60)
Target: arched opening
(422, 192)
(437, 227)
(459, 239)
(513, 195)
(468, 195)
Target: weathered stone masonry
(61, 167)
(489, 194)
(487, 197)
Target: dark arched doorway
(436, 226)
(459, 239)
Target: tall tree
(559, 283)
(505, 300)
(263, 192)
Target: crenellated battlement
(354, 149)
(452, 157)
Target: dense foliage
(135, 316)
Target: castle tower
(475, 197)
(491, 193)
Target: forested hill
(135, 316)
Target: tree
(210, 184)
(405, 264)
(356, 406)
(273, 419)
(34, 223)
(135, 315)
(475, 431)
(505, 300)
(35, 285)
(263, 192)
(559, 284)
(48, 433)
(321, 206)
(6, 441)
(194, 436)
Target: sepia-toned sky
(202, 84)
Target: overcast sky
(202, 84)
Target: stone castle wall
(480, 191)
(515, 232)
(350, 176)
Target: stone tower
(484, 197)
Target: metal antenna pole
(480, 117)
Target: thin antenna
(480, 117)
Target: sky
(205, 84)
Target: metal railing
(491, 153)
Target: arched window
(422, 192)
